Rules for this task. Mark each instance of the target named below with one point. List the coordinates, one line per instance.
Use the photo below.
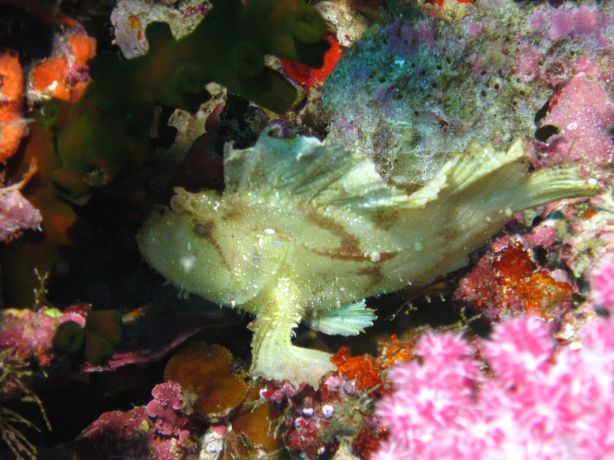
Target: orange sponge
(206, 371)
(12, 125)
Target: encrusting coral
(507, 281)
(111, 123)
(89, 128)
(419, 88)
(305, 230)
(16, 212)
(159, 430)
(435, 136)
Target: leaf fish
(306, 230)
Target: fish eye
(204, 230)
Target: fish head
(198, 249)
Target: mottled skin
(305, 228)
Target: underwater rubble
(331, 229)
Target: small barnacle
(329, 250)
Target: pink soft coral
(602, 283)
(528, 399)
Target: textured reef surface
(330, 229)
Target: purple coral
(404, 39)
(558, 25)
(16, 213)
(582, 21)
(526, 400)
(166, 408)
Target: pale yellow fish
(305, 231)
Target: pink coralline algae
(602, 284)
(166, 408)
(157, 431)
(16, 213)
(124, 433)
(527, 63)
(558, 25)
(30, 333)
(583, 112)
(525, 398)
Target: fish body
(304, 231)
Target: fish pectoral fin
(273, 354)
(351, 319)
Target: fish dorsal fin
(464, 169)
(321, 173)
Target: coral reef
(157, 431)
(308, 77)
(579, 114)
(97, 339)
(86, 134)
(406, 204)
(95, 134)
(602, 284)
(31, 333)
(130, 19)
(65, 75)
(412, 92)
